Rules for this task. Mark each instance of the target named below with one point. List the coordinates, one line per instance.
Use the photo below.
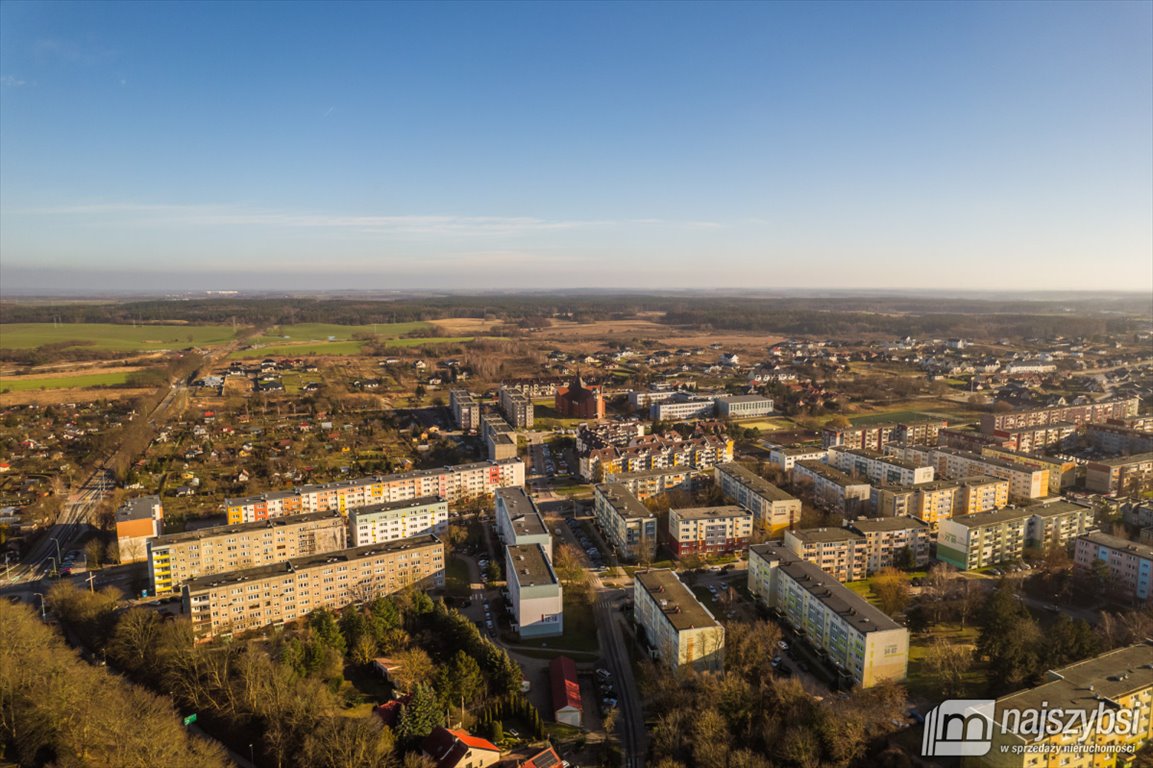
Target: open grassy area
(302, 350)
(25, 383)
(876, 418)
(302, 332)
(119, 338)
(922, 682)
(456, 580)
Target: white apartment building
(455, 483)
(833, 488)
(398, 520)
(840, 552)
(679, 629)
(709, 530)
(682, 408)
(534, 592)
(1025, 482)
(786, 457)
(237, 601)
(863, 642)
(519, 522)
(880, 468)
(517, 408)
(773, 509)
(465, 409)
(179, 557)
(990, 538)
(894, 542)
(629, 526)
(653, 482)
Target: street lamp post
(43, 613)
(56, 541)
(8, 566)
(54, 563)
(251, 755)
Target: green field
(300, 350)
(282, 334)
(25, 383)
(120, 338)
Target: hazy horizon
(153, 147)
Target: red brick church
(578, 401)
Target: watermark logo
(959, 728)
(966, 727)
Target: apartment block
(179, 557)
(833, 487)
(967, 439)
(519, 522)
(377, 523)
(653, 482)
(1130, 564)
(1118, 439)
(499, 437)
(876, 436)
(456, 483)
(679, 629)
(1117, 681)
(743, 406)
(1089, 413)
(1056, 523)
(534, 591)
(643, 401)
(978, 541)
(786, 457)
(894, 542)
(840, 552)
(867, 645)
(880, 468)
(516, 407)
(709, 530)
(773, 510)
(982, 493)
(1120, 477)
(237, 601)
(136, 522)
(1036, 438)
(629, 525)
(1025, 482)
(465, 409)
(1062, 473)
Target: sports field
(119, 338)
(25, 383)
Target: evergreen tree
(419, 716)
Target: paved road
(631, 722)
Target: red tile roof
(566, 690)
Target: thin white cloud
(11, 81)
(386, 225)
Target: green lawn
(302, 349)
(25, 383)
(921, 680)
(876, 418)
(422, 342)
(120, 338)
(300, 332)
(456, 580)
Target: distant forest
(789, 316)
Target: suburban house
(566, 692)
(458, 749)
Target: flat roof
(678, 604)
(620, 477)
(744, 399)
(981, 480)
(1116, 542)
(798, 450)
(288, 521)
(530, 566)
(522, 512)
(297, 564)
(830, 473)
(371, 480)
(389, 506)
(883, 524)
(996, 517)
(754, 481)
(1030, 456)
(1057, 508)
(825, 535)
(868, 453)
(625, 504)
(1082, 686)
(1121, 461)
(857, 612)
(710, 513)
(976, 457)
(1039, 427)
(139, 508)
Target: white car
(782, 645)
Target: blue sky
(494, 145)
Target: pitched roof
(448, 747)
(546, 758)
(566, 689)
